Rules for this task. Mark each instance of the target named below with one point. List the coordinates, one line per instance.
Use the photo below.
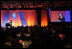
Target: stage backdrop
(44, 18)
(19, 17)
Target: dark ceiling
(63, 3)
(35, 3)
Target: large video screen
(19, 17)
(60, 16)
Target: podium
(9, 25)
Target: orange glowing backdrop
(44, 19)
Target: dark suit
(62, 19)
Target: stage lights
(27, 4)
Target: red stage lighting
(61, 35)
(20, 41)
